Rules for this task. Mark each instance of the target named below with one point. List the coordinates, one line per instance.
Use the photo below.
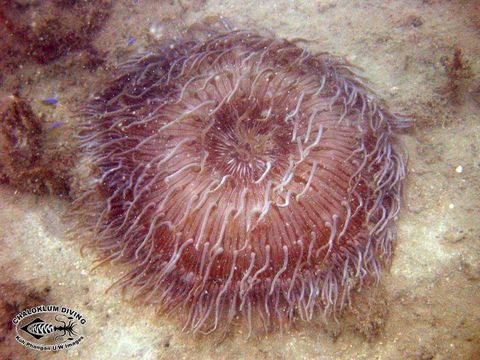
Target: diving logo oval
(49, 327)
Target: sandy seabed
(428, 303)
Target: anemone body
(242, 177)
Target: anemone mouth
(242, 175)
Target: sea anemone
(240, 177)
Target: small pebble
(459, 169)
(55, 125)
(454, 235)
(156, 31)
(50, 101)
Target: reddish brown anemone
(241, 176)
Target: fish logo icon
(38, 328)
